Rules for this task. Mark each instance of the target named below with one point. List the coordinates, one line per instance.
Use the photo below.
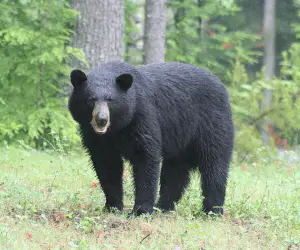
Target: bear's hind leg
(173, 181)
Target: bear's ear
(124, 81)
(77, 77)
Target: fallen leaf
(94, 184)
(28, 236)
(99, 234)
(244, 167)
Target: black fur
(173, 112)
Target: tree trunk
(99, 30)
(269, 36)
(204, 28)
(269, 58)
(155, 31)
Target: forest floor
(53, 201)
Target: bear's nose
(101, 121)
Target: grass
(53, 201)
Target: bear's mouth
(99, 129)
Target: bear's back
(185, 98)
(184, 78)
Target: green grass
(53, 201)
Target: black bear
(173, 113)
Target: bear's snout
(101, 117)
(101, 120)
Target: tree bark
(204, 28)
(99, 30)
(269, 37)
(203, 25)
(269, 32)
(155, 31)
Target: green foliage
(245, 106)
(196, 36)
(284, 112)
(134, 15)
(131, 28)
(250, 19)
(286, 102)
(35, 54)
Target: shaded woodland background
(252, 45)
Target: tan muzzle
(101, 118)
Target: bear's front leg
(109, 170)
(146, 175)
(108, 165)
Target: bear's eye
(91, 102)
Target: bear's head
(104, 98)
